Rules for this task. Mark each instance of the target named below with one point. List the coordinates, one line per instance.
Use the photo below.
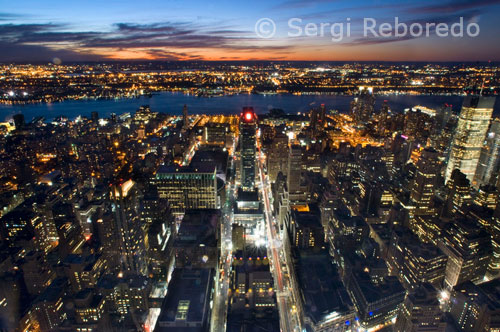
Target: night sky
(89, 30)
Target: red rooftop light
(248, 116)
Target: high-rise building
(475, 308)
(277, 156)
(414, 262)
(489, 160)
(248, 129)
(469, 136)
(458, 191)
(294, 175)
(468, 247)
(185, 117)
(420, 312)
(362, 106)
(126, 198)
(424, 184)
(187, 187)
(19, 121)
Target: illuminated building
(187, 187)
(84, 271)
(414, 262)
(494, 265)
(420, 312)
(248, 128)
(424, 183)
(305, 228)
(294, 176)
(487, 196)
(468, 247)
(476, 308)
(376, 303)
(489, 159)
(216, 134)
(277, 156)
(49, 307)
(469, 136)
(126, 199)
(458, 191)
(362, 106)
(317, 119)
(248, 211)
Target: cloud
(165, 40)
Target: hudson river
(172, 103)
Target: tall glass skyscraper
(489, 161)
(248, 128)
(469, 136)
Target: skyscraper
(489, 160)
(248, 128)
(185, 119)
(362, 107)
(422, 190)
(420, 312)
(187, 187)
(468, 247)
(468, 140)
(126, 199)
(294, 175)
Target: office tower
(442, 118)
(468, 247)
(277, 156)
(216, 133)
(48, 308)
(363, 105)
(248, 128)
(185, 118)
(37, 272)
(19, 121)
(197, 242)
(469, 136)
(305, 228)
(489, 160)
(494, 265)
(321, 297)
(317, 118)
(420, 312)
(424, 183)
(475, 308)
(376, 302)
(487, 196)
(83, 271)
(414, 262)
(187, 305)
(187, 187)
(126, 199)
(458, 192)
(294, 176)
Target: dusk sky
(225, 30)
